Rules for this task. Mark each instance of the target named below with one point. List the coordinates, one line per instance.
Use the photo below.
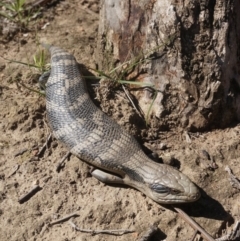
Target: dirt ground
(73, 26)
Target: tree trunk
(189, 51)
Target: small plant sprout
(40, 61)
(40, 64)
(16, 12)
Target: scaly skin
(95, 138)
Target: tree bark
(189, 52)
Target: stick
(193, 224)
(14, 170)
(27, 196)
(20, 152)
(116, 232)
(60, 220)
(194, 235)
(59, 165)
(150, 232)
(131, 101)
(45, 145)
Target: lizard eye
(159, 188)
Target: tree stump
(188, 51)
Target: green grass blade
(33, 90)
(101, 73)
(135, 83)
(19, 62)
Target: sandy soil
(73, 25)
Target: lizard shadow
(206, 207)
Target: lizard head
(164, 184)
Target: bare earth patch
(73, 26)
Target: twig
(20, 152)
(131, 101)
(26, 87)
(59, 165)
(233, 235)
(27, 196)
(235, 182)
(194, 225)
(45, 145)
(60, 220)
(194, 235)
(116, 232)
(14, 170)
(150, 232)
(46, 225)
